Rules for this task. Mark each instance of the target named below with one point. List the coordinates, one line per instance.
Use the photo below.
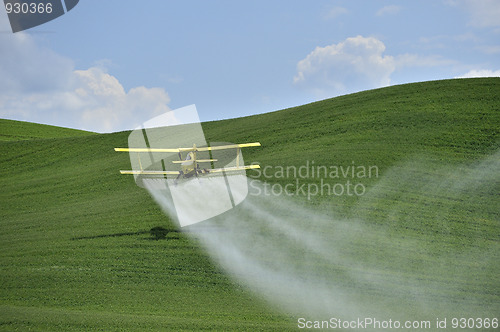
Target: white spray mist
(422, 243)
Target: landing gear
(195, 172)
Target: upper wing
(208, 148)
(230, 146)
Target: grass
(11, 130)
(76, 249)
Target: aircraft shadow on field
(156, 233)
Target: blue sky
(110, 65)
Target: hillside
(11, 130)
(76, 250)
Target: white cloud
(101, 99)
(354, 64)
(480, 73)
(25, 67)
(39, 85)
(388, 10)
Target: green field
(77, 253)
(11, 130)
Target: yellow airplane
(190, 165)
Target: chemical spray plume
(422, 243)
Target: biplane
(190, 165)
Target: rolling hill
(76, 249)
(11, 130)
